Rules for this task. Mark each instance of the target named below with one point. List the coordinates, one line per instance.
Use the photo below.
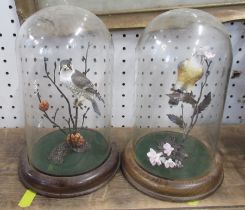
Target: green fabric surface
(197, 164)
(74, 162)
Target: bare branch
(196, 112)
(54, 72)
(84, 116)
(53, 82)
(55, 114)
(85, 59)
(69, 124)
(45, 114)
(76, 119)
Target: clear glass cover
(183, 63)
(66, 55)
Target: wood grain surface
(118, 193)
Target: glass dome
(66, 56)
(183, 63)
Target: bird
(80, 86)
(190, 71)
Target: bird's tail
(96, 93)
(95, 106)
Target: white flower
(167, 149)
(206, 51)
(209, 55)
(162, 159)
(154, 157)
(169, 163)
(178, 164)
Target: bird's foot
(77, 103)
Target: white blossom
(178, 163)
(162, 159)
(169, 163)
(167, 149)
(154, 157)
(206, 51)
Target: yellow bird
(189, 72)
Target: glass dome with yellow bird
(66, 56)
(183, 63)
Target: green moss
(198, 162)
(74, 162)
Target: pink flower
(154, 157)
(167, 149)
(169, 163)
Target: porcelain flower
(162, 159)
(169, 163)
(167, 149)
(154, 157)
(178, 164)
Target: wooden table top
(118, 193)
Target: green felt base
(75, 163)
(197, 164)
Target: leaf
(177, 120)
(188, 98)
(175, 97)
(204, 104)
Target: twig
(76, 119)
(195, 114)
(69, 124)
(53, 82)
(182, 116)
(86, 70)
(48, 118)
(84, 116)
(54, 72)
(55, 114)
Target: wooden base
(171, 190)
(62, 187)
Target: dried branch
(54, 72)
(45, 114)
(69, 124)
(85, 60)
(53, 82)
(83, 119)
(76, 119)
(55, 114)
(196, 112)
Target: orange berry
(44, 105)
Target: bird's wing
(94, 92)
(80, 80)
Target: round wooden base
(62, 187)
(171, 190)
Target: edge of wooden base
(64, 187)
(171, 190)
